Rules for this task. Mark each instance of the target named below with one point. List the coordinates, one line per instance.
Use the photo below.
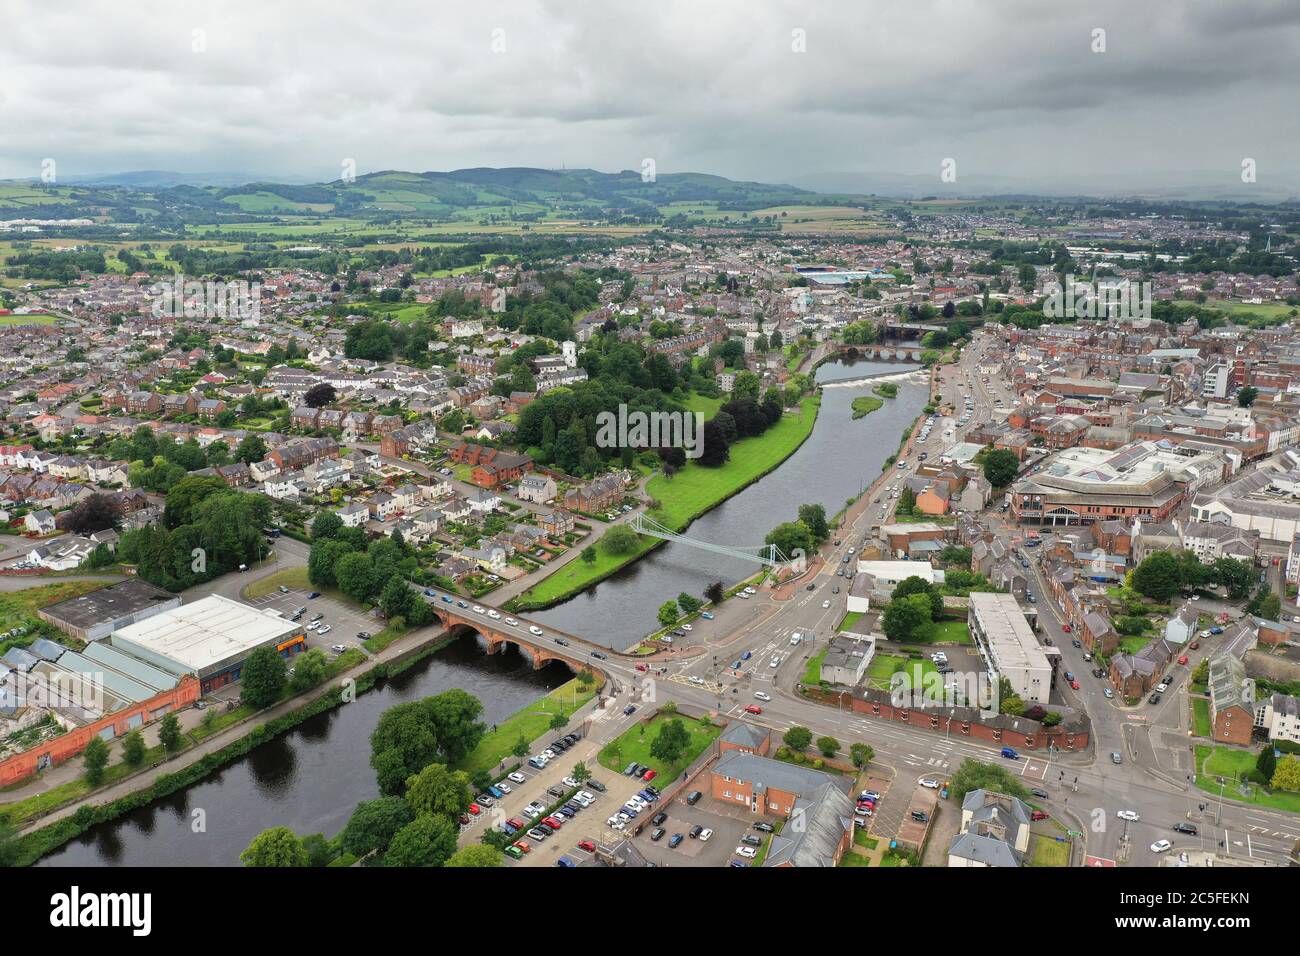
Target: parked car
(693, 797)
(675, 841)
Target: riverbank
(692, 492)
(192, 765)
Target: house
(537, 488)
(39, 522)
(846, 660)
(994, 831)
(490, 557)
(383, 506)
(354, 515)
(1278, 715)
(1180, 628)
(556, 523)
(599, 494)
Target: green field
(635, 743)
(1201, 717)
(530, 723)
(813, 672)
(1230, 763)
(1045, 851)
(942, 632)
(687, 495)
(37, 319)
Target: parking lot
(344, 621)
(728, 823)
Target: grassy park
(530, 723)
(634, 745)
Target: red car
(516, 823)
(1038, 815)
(1074, 684)
(1183, 659)
(475, 809)
(553, 823)
(642, 668)
(650, 775)
(523, 846)
(753, 709)
(587, 845)
(1066, 628)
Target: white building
(888, 574)
(1009, 645)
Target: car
(462, 604)
(695, 831)
(631, 769)
(657, 833)
(566, 862)
(474, 809)
(363, 635)
(748, 852)
(283, 589)
(707, 615)
(760, 695)
(561, 642)
(765, 827)
(1161, 846)
(675, 841)
(313, 625)
(1074, 684)
(534, 809)
(658, 818)
(687, 627)
(1130, 815)
(599, 656)
(517, 777)
(650, 774)
(596, 785)
(871, 795)
(555, 823)
(1107, 693)
(314, 594)
(776, 661)
(826, 604)
(753, 709)
(535, 630)
(1162, 686)
(811, 587)
(569, 782)
(1076, 643)
(1154, 699)
(1195, 645)
(1182, 659)
(1039, 792)
(502, 786)
(1038, 815)
(323, 629)
(1066, 628)
(485, 800)
(337, 648)
(1190, 829)
(514, 852)
(929, 783)
(704, 835)
(629, 710)
(750, 840)
(693, 797)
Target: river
(838, 460)
(308, 779)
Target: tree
(97, 512)
(976, 775)
(133, 749)
(1266, 763)
(904, 615)
(915, 584)
(263, 677)
(667, 613)
(169, 732)
(1234, 575)
(95, 759)
(326, 525)
(425, 841)
(688, 603)
(558, 721)
(355, 575)
(580, 772)
(309, 669)
(671, 741)
(1000, 467)
(251, 449)
(589, 555)
(521, 748)
(716, 451)
(620, 540)
(373, 825)
(715, 592)
(278, 846)
(828, 746)
(1157, 577)
(184, 496)
(1246, 396)
(813, 517)
(318, 396)
(1287, 774)
(861, 755)
(797, 738)
(437, 790)
(475, 855)
(792, 538)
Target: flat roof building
(209, 639)
(93, 616)
(1009, 645)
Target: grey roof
(744, 734)
(46, 649)
(132, 667)
(20, 659)
(763, 773)
(982, 848)
(119, 684)
(826, 815)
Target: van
(795, 638)
(1010, 754)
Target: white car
(1161, 846)
(337, 648)
(826, 604)
(323, 629)
(535, 630)
(1129, 815)
(313, 625)
(776, 661)
(495, 615)
(687, 627)
(580, 801)
(1162, 686)
(704, 835)
(504, 787)
(697, 680)
(517, 777)
(759, 695)
(511, 622)
(584, 795)
(534, 809)
(751, 590)
(614, 823)
(569, 782)
(748, 852)
(929, 783)
(477, 609)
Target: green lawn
(1045, 851)
(846, 624)
(942, 632)
(1230, 763)
(289, 578)
(1201, 717)
(883, 667)
(531, 722)
(702, 403)
(690, 493)
(854, 859)
(635, 742)
(813, 672)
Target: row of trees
(804, 535)
(1164, 574)
(372, 572)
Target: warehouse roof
(107, 604)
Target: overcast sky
(1007, 88)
